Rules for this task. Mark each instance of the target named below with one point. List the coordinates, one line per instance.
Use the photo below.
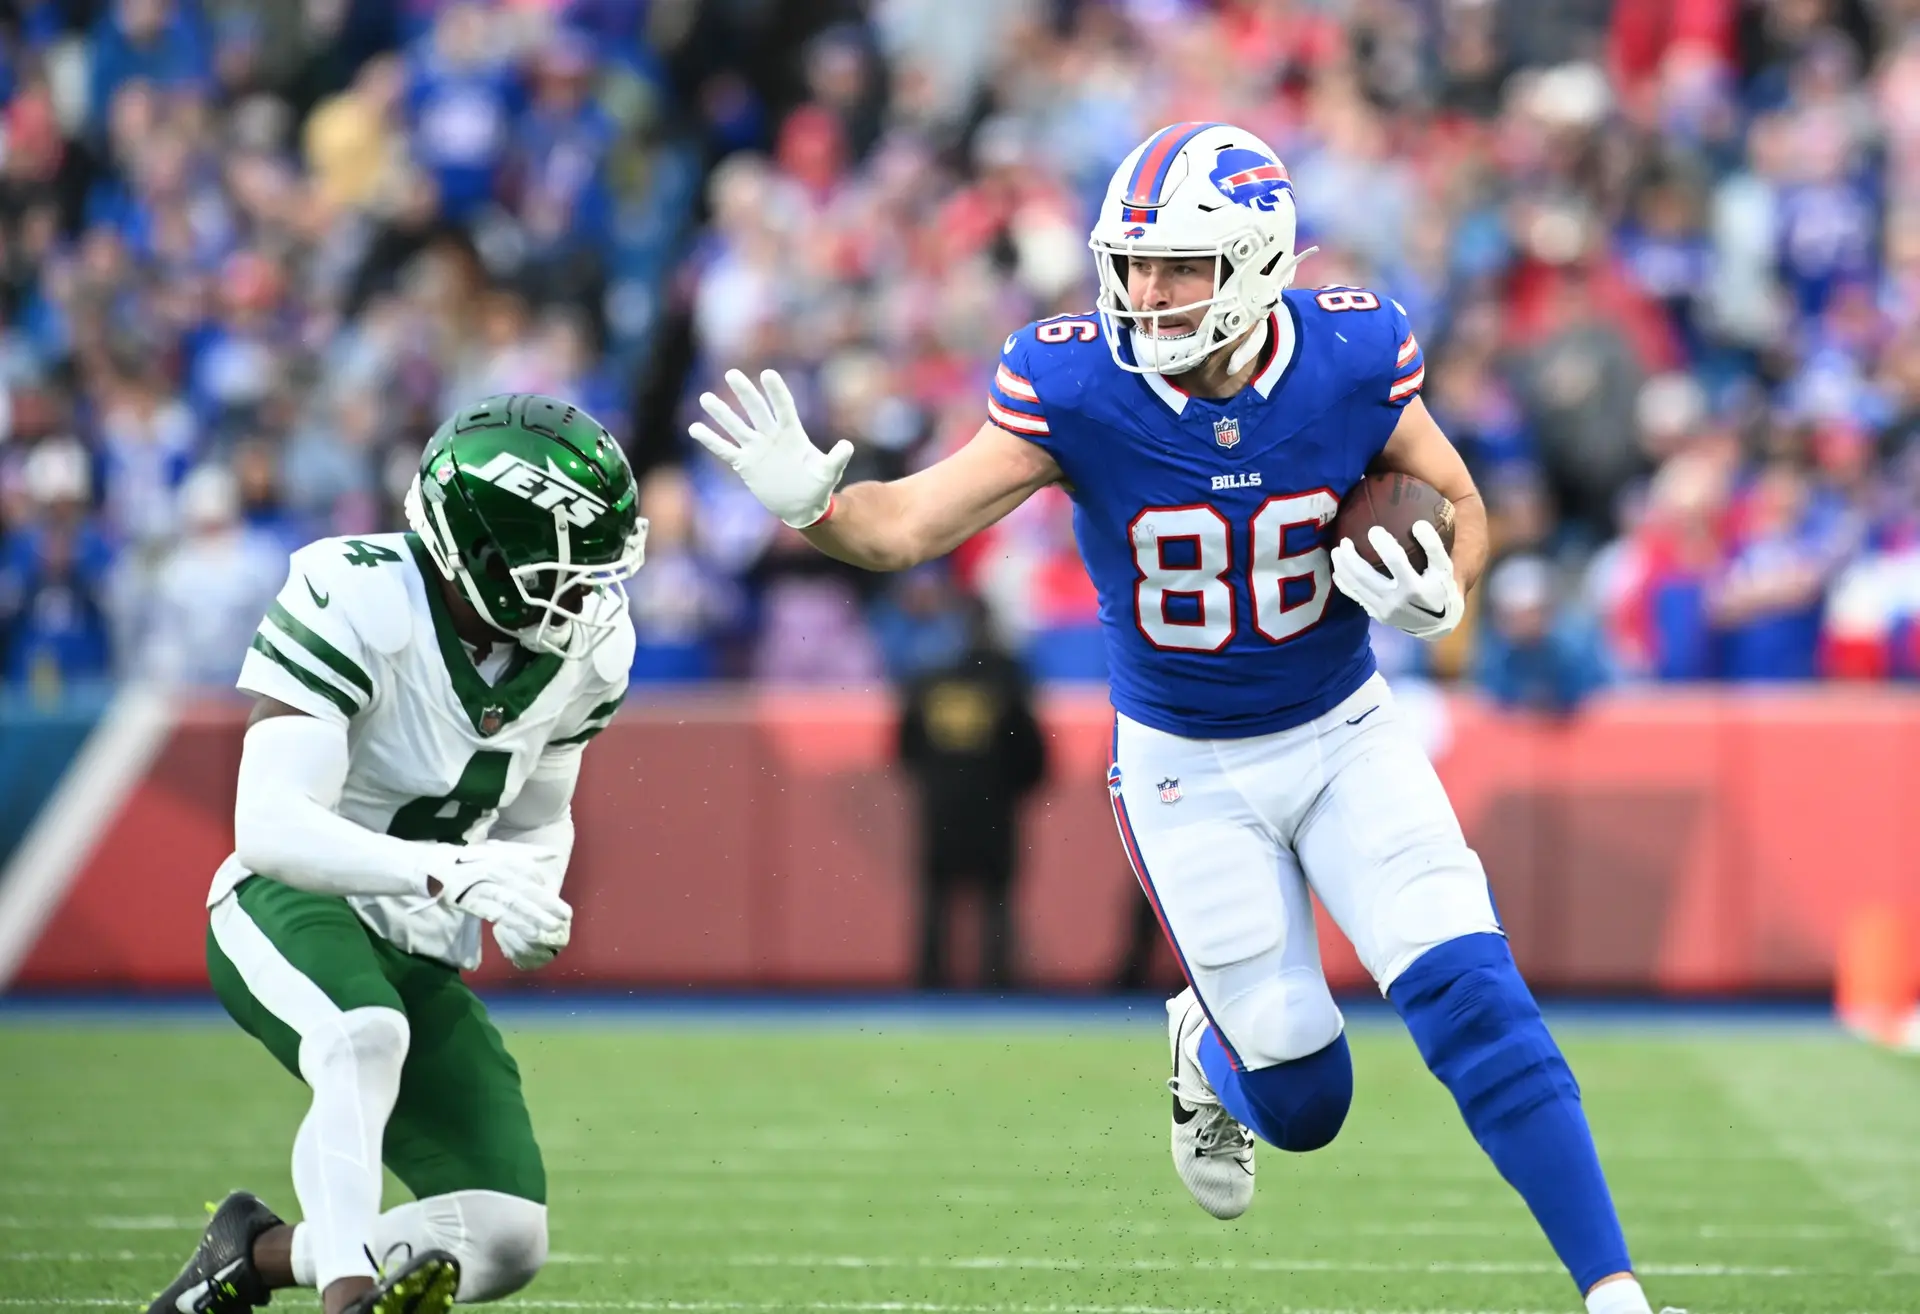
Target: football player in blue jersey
(1207, 422)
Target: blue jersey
(1204, 524)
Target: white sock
(302, 1255)
(353, 1065)
(1620, 1297)
(500, 1240)
(1190, 1044)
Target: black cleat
(425, 1286)
(220, 1277)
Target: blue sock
(1478, 1028)
(1298, 1105)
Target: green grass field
(963, 1168)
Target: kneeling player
(423, 700)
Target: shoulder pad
(1062, 357)
(366, 578)
(1377, 349)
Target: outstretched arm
(877, 526)
(895, 525)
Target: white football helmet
(1207, 190)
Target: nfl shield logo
(1226, 432)
(1170, 790)
(491, 719)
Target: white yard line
(82, 1257)
(157, 1189)
(941, 1307)
(852, 1307)
(1056, 1264)
(1043, 1263)
(825, 1307)
(1847, 1122)
(862, 1222)
(141, 1223)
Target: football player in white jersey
(422, 701)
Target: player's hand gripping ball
(1396, 503)
(1392, 537)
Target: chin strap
(1247, 350)
(1283, 276)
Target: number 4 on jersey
(369, 554)
(1198, 566)
(447, 819)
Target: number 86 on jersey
(1186, 556)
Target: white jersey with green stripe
(360, 635)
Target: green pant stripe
(301, 634)
(285, 962)
(280, 987)
(332, 693)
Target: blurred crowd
(250, 254)
(1663, 256)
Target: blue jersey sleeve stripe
(1015, 421)
(1409, 366)
(1014, 386)
(1015, 401)
(1015, 406)
(1404, 389)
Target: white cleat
(1212, 1150)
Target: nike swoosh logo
(458, 899)
(1427, 611)
(319, 599)
(1182, 1114)
(1356, 720)
(189, 1300)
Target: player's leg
(1257, 1036)
(462, 1142)
(300, 972)
(937, 881)
(1383, 849)
(997, 948)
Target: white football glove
(1425, 604)
(510, 885)
(530, 953)
(770, 450)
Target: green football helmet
(528, 505)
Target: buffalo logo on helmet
(1133, 232)
(1249, 178)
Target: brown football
(1394, 501)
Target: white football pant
(1228, 836)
